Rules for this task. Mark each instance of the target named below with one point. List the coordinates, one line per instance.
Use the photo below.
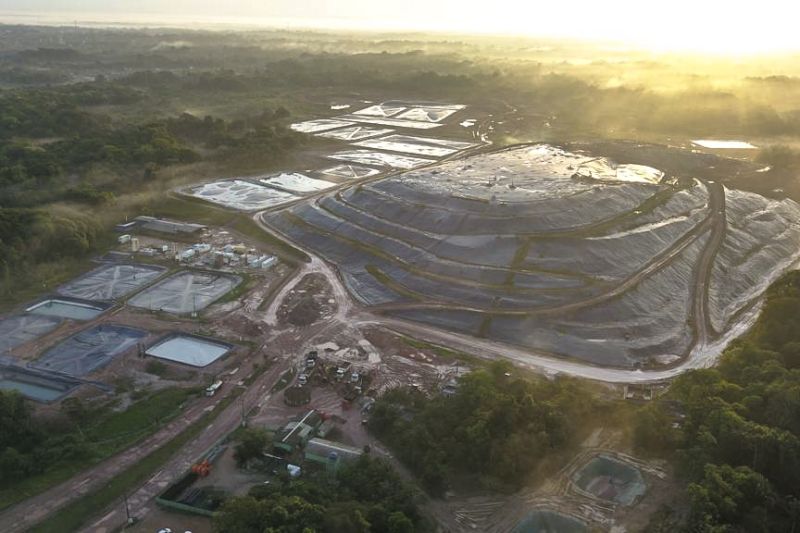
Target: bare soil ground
(498, 513)
(309, 301)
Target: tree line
(497, 427)
(363, 496)
(737, 436)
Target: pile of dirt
(308, 302)
(242, 326)
(302, 313)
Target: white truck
(212, 389)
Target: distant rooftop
(160, 225)
(298, 431)
(168, 226)
(326, 449)
(724, 145)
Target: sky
(715, 26)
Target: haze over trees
(59, 149)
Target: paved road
(227, 421)
(283, 346)
(704, 354)
(37, 508)
(31, 511)
(701, 356)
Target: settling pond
(65, 308)
(610, 479)
(189, 349)
(33, 385)
(90, 349)
(185, 292)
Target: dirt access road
(283, 346)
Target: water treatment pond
(611, 479)
(90, 349)
(67, 309)
(109, 282)
(35, 385)
(19, 329)
(185, 292)
(31, 390)
(189, 350)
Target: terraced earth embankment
(563, 253)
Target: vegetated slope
(734, 430)
(496, 427)
(562, 252)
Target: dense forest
(738, 441)
(496, 426)
(364, 496)
(49, 138)
(63, 161)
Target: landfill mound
(564, 253)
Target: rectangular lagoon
(73, 309)
(31, 390)
(189, 349)
(296, 183)
(35, 385)
(19, 329)
(185, 292)
(112, 281)
(90, 349)
(241, 194)
(380, 159)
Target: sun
(730, 27)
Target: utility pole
(127, 509)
